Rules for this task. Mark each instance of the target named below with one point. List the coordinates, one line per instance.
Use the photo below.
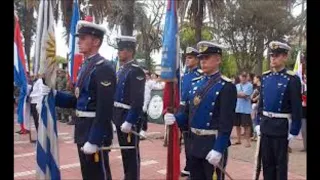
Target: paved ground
(153, 157)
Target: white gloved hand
(144, 108)
(89, 148)
(126, 127)
(257, 129)
(214, 157)
(169, 119)
(290, 137)
(45, 90)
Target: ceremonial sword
(224, 171)
(137, 134)
(257, 161)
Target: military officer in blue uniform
(128, 104)
(280, 113)
(210, 110)
(192, 71)
(93, 101)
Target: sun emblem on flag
(51, 48)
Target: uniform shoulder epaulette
(200, 71)
(226, 78)
(100, 62)
(289, 72)
(135, 65)
(266, 72)
(196, 79)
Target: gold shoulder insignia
(226, 78)
(266, 72)
(291, 73)
(200, 71)
(140, 78)
(99, 62)
(196, 79)
(106, 83)
(135, 65)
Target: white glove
(290, 137)
(45, 90)
(214, 157)
(126, 127)
(257, 129)
(169, 119)
(89, 148)
(144, 108)
(38, 106)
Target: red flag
(173, 153)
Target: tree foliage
(246, 25)
(61, 60)
(27, 23)
(149, 38)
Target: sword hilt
(129, 137)
(96, 157)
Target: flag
(298, 69)
(169, 73)
(45, 65)
(20, 78)
(169, 49)
(75, 58)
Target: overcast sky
(107, 51)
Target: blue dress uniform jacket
(96, 87)
(186, 82)
(185, 86)
(213, 111)
(280, 93)
(130, 93)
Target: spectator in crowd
(243, 109)
(147, 97)
(61, 84)
(152, 83)
(255, 100)
(237, 80)
(251, 77)
(33, 104)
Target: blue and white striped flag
(75, 58)
(46, 65)
(20, 78)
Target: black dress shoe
(71, 122)
(184, 173)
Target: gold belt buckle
(270, 115)
(198, 132)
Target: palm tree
(123, 13)
(149, 38)
(25, 10)
(195, 11)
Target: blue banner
(169, 48)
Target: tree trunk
(301, 25)
(268, 60)
(67, 15)
(27, 34)
(260, 49)
(128, 17)
(198, 19)
(147, 59)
